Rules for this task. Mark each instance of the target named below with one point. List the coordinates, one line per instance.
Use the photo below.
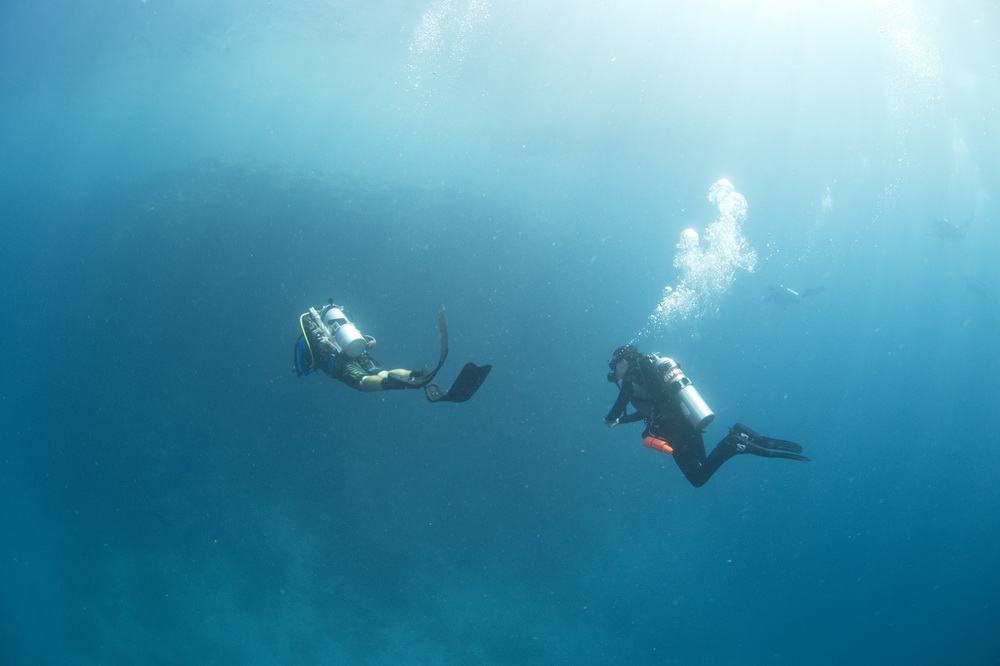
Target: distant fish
(948, 230)
(784, 296)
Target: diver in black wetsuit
(675, 416)
(784, 296)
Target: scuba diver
(784, 296)
(331, 342)
(944, 228)
(675, 415)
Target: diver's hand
(611, 424)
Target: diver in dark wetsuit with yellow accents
(331, 342)
(675, 415)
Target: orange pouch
(657, 444)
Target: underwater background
(180, 180)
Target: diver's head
(625, 352)
(620, 361)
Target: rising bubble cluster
(708, 264)
(442, 40)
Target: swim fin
(466, 384)
(425, 376)
(749, 441)
(443, 325)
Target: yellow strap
(305, 334)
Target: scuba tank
(692, 404)
(336, 330)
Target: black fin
(765, 442)
(752, 442)
(425, 376)
(443, 325)
(433, 392)
(756, 450)
(466, 384)
(780, 445)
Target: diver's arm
(631, 418)
(618, 409)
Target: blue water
(180, 180)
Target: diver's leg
(689, 453)
(391, 380)
(408, 378)
(371, 383)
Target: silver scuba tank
(692, 404)
(345, 334)
(336, 333)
